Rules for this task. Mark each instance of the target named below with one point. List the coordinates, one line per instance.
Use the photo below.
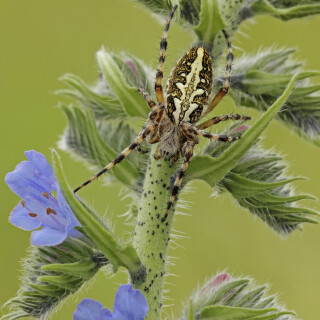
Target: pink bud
(215, 282)
(241, 128)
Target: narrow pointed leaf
(211, 21)
(232, 313)
(241, 186)
(84, 268)
(83, 139)
(131, 100)
(103, 106)
(42, 288)
(242, 299)
(116, 253)
(299, 11)
(261, 79)
(65, 281)
(212, 170)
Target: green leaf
(64, 281)
(117, 254)
(131, 100)
(227, 298)
(256, 181)
(191, 312)
(250, 297)
(241, 186)
(104, 105)
(232, 313)
(83, 139)
(136, 72)
(83, 268)
(261, 79)
(212, 170)
(47, 279)
(258, 184)
(162, 7)
(190, 10)
(211, 21)
(299, 11)
(258, 82)
(217, 294)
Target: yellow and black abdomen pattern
(189, 86)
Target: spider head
(189, 86)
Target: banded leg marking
(163, 49)
(217, 137)
(227, 77)
(188, 153)
(153, 119)
(141, 151)
(144, 133)
(146, 97)
(218, 119)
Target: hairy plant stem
(152, 236)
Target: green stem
(151, 235)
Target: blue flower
(129, 304)
(51, 218)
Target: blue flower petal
(89, 309)
(72, 220)
(34, 181)
(20, 218)
(129, 304)
(48, 236)
(40, 162)
(24, 181)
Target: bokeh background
(42, 40)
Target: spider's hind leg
(218, 119)
(217, 137)
(187, 152)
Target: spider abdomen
(189, 86)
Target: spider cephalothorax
(172, 120)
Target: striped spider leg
(188, 91)
(172, 122)
(149, 129)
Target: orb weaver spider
(172, 120)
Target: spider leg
(146, 97)
(163, 48)
(227, 77)
(154, 116)
(174, 159)
(217, 137)
(157, 154)
(141, 151)
(218, 119)
(187, 152)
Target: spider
(172, 120)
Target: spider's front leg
(187, 153)
(149, 128)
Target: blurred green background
(42, 40)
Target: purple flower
(51, 217)
(129, 304)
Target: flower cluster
(50, 217)
(129, 304)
